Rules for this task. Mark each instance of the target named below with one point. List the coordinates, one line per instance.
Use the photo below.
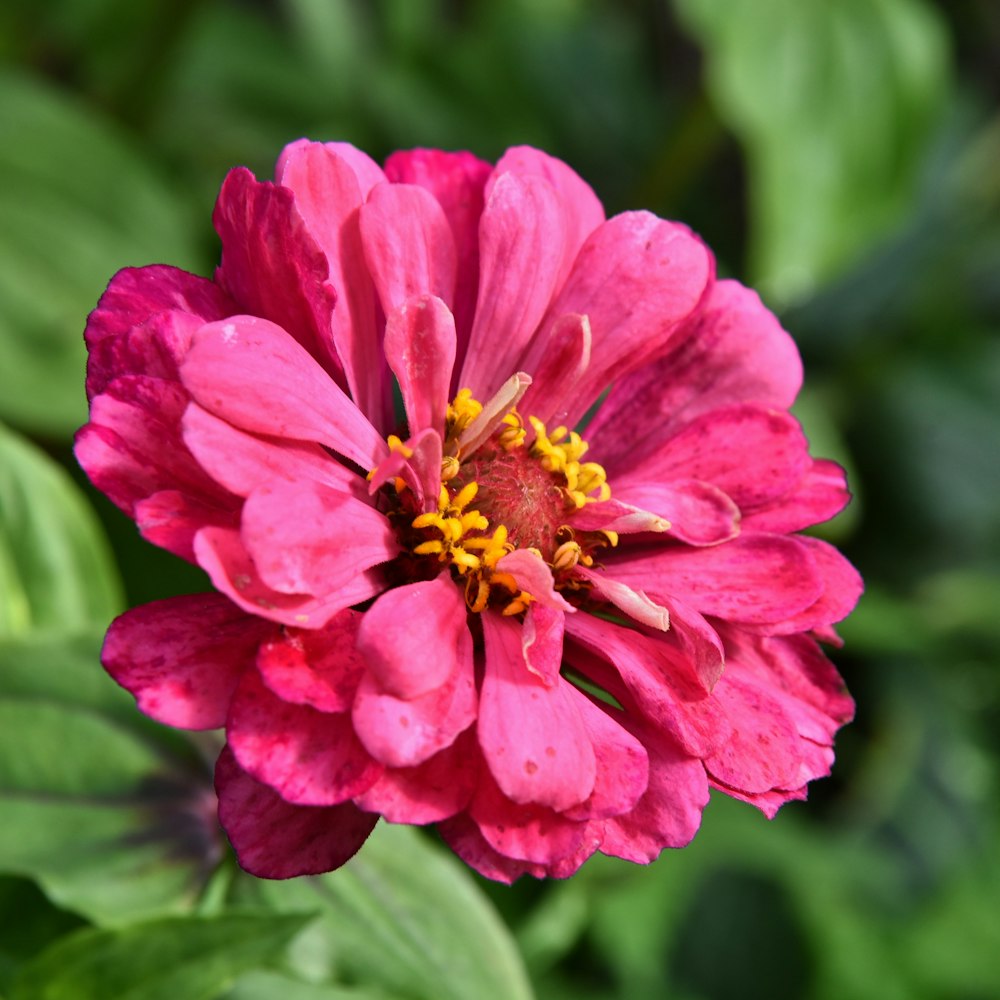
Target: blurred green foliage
(839, 153)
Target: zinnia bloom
(437, 602)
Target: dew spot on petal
(550, 751)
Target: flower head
(437, 600)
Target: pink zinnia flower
(460, 613)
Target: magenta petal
(408, 245)
(274, 839)
(271, 265)
(464, 837)
(753, 578)
(532, 736)
(415, 637)
(534, 576)
(554, 361)
(636, 278)
(406, 732)
(821, 494)
(429, 792)
(171, 519)
(319, 667)
(420, 350)
(307, 538)
(521, 246)
(222, 555)
(542, 641)
(623, 518)
(241, 462)
(733, 351)
(308, 757)
(636, 604)
(182, 657)
(699, 513)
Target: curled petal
(534, 576)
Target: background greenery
(839, 154)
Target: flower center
(504, 496)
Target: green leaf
(76, 204)
(833, 102)
(56, 571)
(271, 985)
(193, 959)
(405, 916)
(113, 815)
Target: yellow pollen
(462, 412)
(396, 444)
(558, 453)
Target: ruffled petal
(534, 576)
(274, 839)
(532, 736)
(182, 657)
(308, 757)
(822, 493)
(171, 520)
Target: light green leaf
(76, 204)
(193, 959)
(56, 571)
(274, 986)
(833, 102)
(110, 813)
(405, 916)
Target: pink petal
(274, 839)
(622, 764)
(171, 519)
(733, 351)
(420, 350)
(699, 513)
(532, 736)
(636, 278)
(367, 172)
(581, 210)
(328, 197)
(309, 758)
(542, 641)
(253, 374)
(271, 265)
(241, 462)
(430, 792)
(316, 667)
(462, 835)
(753, 578)
(182, 657)
(637, 605)
(752, 454)
(415, 637)
(767, 802)
(408, 245)
(821, 494)
(421, 471)
(534, 576)
(456, 180)
(554, 361)
(406, 732)
(669, 813)
(521, 247)
(493, 412)
(613, 515)
(307, 538)
(222, 555)
(526, 832)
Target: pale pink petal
(420, 350)
(699, 513)
(669, 813)
(253, 374)
(526, 832)
(274, 839)
(521, 248)
(821, 494)
(750, 453)
(405, 732)
(636, 278)
(271, 265)
(429, 792)
(241, 462)
(456, 180)
(754, 578)
(316, 667)
(542, 641)
(182, 657)
(532, 736)
(614, 515)
(554, 361)
(733, 351)
(222, 555)
(171, 519)
(636, 604)
(307, 538)
(309, 758)
(493, 412)
(533, 575)
(328, 196)
(415, 637)
(581, 210)
(408, 245)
